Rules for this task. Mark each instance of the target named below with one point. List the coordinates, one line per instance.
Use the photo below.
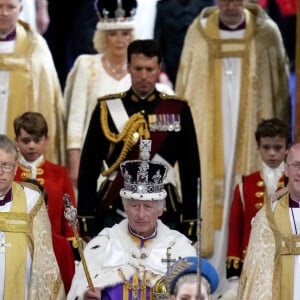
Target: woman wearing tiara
(94, 76)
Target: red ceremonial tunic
(243, 209)
(56, 181)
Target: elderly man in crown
(127, 260)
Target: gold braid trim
(136, 123)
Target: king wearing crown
(128, 259)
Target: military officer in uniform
(116, 125)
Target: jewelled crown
(143, 179)
(115, 14)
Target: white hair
(161, 203)
(99, 38)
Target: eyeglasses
(294, 167)
(7, 166)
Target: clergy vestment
(28, 267)
(232, 80)
(271, 269)
(29, 82)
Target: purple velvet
(116, 293)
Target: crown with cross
(143, 179)
(115, 14)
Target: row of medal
(164, 122)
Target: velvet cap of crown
(115, 14)
(207, 270)
(143, 179)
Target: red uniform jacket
(243, 209)
(65, 259)
(56, 181)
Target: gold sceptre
(70, 214)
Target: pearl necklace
(116, 72)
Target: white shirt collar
(32, 165)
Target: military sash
(112, 193)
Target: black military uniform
(173, 137)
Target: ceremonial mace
(198, 238)
(70, 214)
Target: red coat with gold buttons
(249, 196)
(56, 181)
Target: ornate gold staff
(70, 214)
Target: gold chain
(136, 123)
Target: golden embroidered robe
(264, 93)
(34, 86)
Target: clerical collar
(8, 37)
(293, 203)
(148, 98)
(6, 198)
(240, 26)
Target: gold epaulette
(164, 96)
(112, 96)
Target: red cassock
(243, 209)
(56, 181)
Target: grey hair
(7, 145)
(161, 203)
